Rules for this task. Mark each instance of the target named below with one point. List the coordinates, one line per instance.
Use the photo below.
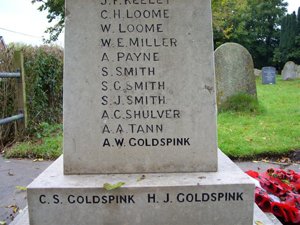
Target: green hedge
(7, 98)
(43, 77)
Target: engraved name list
(138, 103)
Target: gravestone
(234, 72)
(269, 75)
(257, 72)
(298, 71)
(289, 71)
(140, 119)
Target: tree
(251, 23)
(264, 29)
(289, 47)
(298, 21)
(56, 12)
(228, 17)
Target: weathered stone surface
(22, 218)
(266, 219)
(298, 71)
(257, 72)
(159, 119)
(290, 71)
(224, 197)
(269, 75)
(234, 72)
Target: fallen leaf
(38, 160)
(21, 188)
(15, 208)
(110, 187)
(2, 223)
(141, 178)
(265, 161)
(259, 223)
(249, 139)
(9, 174)
(285, 160)
(286, 181)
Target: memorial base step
(207, 198)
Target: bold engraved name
(135, 14)
(141, 114)
(197, 197)
(135, 71)
(147, 142)
(147, 42)
(104, 199)
(140, 28)
(133, 128)
(134, 100)
(129, 71)
(133, 86)
(139, 42)
(86, 199)
(133, 57)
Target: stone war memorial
(140, 143)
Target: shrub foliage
(7, 97)
(43, 77)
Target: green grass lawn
(47, 144)
(274, 131)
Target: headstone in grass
(298, 71)
(290, 71)
(234, 72)
(257, 72)
(140, 122)
(269, 75)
